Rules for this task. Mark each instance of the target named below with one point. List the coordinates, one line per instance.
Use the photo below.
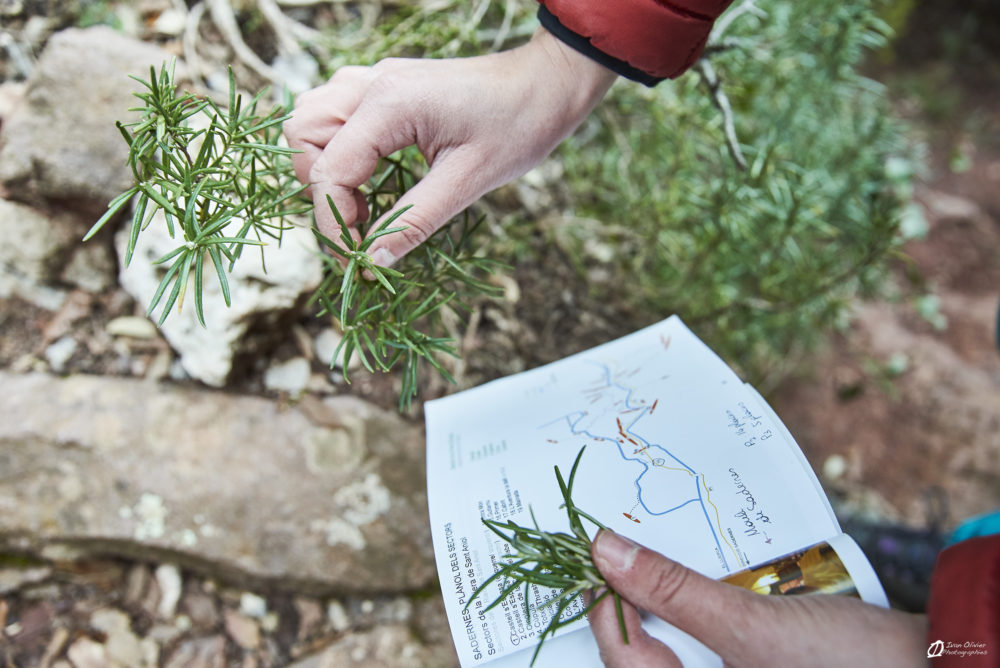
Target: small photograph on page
(815, 570)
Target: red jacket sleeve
(963, 612)
(658, 38)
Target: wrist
(583, 79)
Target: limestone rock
(36, 246)
(258, 297)
(168, 577)
(87, 653)
(242, 629)
(200, 653)
(61, 144)
(324, 497)
(91, 267)
(290, 376)
(390, 646)
(12, 579)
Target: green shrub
(763, 261)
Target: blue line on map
(669, 510)
(574, 419)
(722, 555)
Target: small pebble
(252, 605)
(168, 577)
(131, 326)
(60, 352)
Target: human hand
(742, 627)
(480, 122)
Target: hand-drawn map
(681, 456)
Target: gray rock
(200, 653)
(310, 617)
(324, 497)
(36, 245)
(390, 646)
(290, 376)
(12, 579)
(258, 297)
(242, 629)
(62, 143)
(91, 267)
(137, 584)
(60, 352)
(200, 609)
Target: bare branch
(721, 102)
(726, 20)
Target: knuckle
(389, 64)
(418, 229)
(668, 580)
(349, 73)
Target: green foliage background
(762, 262)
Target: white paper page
(679, 456)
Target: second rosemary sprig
(394, 316)
(556, 560)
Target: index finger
(641, 650)
(350, 158)
(321, 112)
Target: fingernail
(615, 551)
(383, 258)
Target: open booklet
(682, 456)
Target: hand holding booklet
(681, 456)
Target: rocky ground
(284, 521)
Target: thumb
(675, 593)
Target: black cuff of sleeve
(583, 45)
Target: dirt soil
(900, 437)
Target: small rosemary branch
(559, 561)
(230, 184)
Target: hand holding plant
(230, 184)
(480, 122)
(559, 561)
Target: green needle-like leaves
(205, 182)
(231, 185)
(558, 561)
(387, 315)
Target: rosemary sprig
(231, 184)
(220, 188)
(559, 561)
(387, 315)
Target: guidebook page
(680, 455)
